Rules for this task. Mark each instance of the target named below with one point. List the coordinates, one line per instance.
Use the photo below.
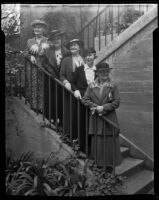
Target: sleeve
(86, 100)
(63, 70)
(115, 103)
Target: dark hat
(102, 67)
(55, 33)
(40, 22)
(78, 41)
(89, 50)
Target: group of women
(89, 83)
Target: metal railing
(108, 24)
(74, 116)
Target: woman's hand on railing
(68, 86)
(77, 94)
(33, 60)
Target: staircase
(138, 179)
(136, 166)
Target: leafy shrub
(129, 17)
(29, 176)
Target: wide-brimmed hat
(102, 67)
(39, 22)
(78, 41)
(55, 33)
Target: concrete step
(139, 183)
(129, 166)
(124, 151)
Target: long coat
(66, 72)
(50, 60)
(79, 80)
(93, 98)
(36, 99)
(50, 64)
(105, 150)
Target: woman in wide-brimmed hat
(36, 47)
(102, 97)
(68, 66)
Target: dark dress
(50, 64)
(95, 96)
(79, 80)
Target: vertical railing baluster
(86, 131)
(50, 100)
(112, 23)
(78, 120)
(56, 103)
(105, 26)
(20, 91)
(113, 152)
(26, 88)
(88, 37)
(37, 99)
(109, 21)
(99, 35)
(95, 116)
(31, 68)
(118, 19)
(104, 132)
(94, 35)
(70, 117)
(63, 101)
(44, 81)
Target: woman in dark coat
(36, 47)
(102, 97)
(68, 66)
(52, 63)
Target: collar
(91, 68)
(98, 84)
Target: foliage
(11, 20)
(28, 175)
(62, 21)
(129, 17)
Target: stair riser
(146, 188)
(125, 154)
(132, 170)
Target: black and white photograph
(79, 99)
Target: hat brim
(57, 35)
(80, 43)
(101, 70)
(41, 24)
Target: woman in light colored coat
(35, 48)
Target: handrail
(80, 130)
(91, 21)
(59, 82)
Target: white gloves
(77, 94)
(34, 49)
(68, 86)
(45, 46)
(99, 110)
(33, 59)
